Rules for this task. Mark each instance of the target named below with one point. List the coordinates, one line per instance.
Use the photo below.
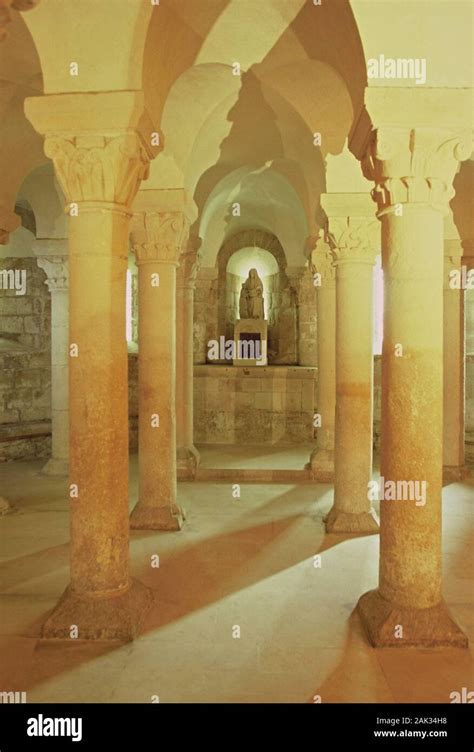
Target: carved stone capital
(354, 240)
(100, 143)
(57, 272)
(159, 236)
(93, 167)
(322, 260)
(415, 166)
(5, 14)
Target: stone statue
(251, 297)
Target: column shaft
(352, 511)
(454, 369)
(157, 508)
(56, 269)
(187, 454)
(412, 383)
(99, 402)
(322, 458)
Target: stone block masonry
(25, 365)
(260, 405)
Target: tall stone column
(453, 362)
(54, 262)
(355, 241)
(100, 176)
(322, 458)
(158, 238)
(413, 170)
(187, 454)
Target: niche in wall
(261, 251)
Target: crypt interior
(179, 522)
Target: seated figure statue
(251, 297)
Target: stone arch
(263, 239)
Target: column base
(321, 464)
(116, 618)
(345, 522)
(146, 517)
(56, 467)
(422, 627)
(187, 461)
(453, 473)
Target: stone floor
(251, 457)
(244, 562)
(252, 463)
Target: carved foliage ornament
(159, 236)
(415, 165)
(57, 272)
(99, 168)
(322, 259)
(354, 239)
(5, 14)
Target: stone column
(100, 176)
(453, 362)
(158, 238)
(413, 170)
(187, 454)
(322, 458)
(57, 273)
(355, 242)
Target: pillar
(187, 454)
(100, 176)
(322, 458)
(54, 262)
(355, 242)
(158, 238)
(413, 170)
(453, 362)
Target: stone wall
(262, 405)
(25, 365)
